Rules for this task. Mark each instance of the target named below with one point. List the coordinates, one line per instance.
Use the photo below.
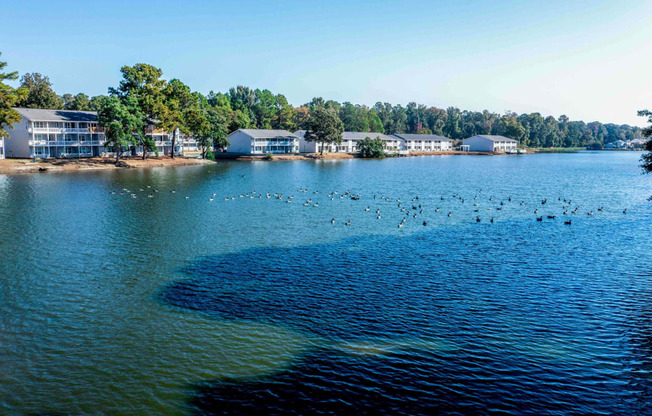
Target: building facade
(349, 142)
(490, 143)
(66, 133)
(424, 142)
(2, 147)
(261, 142)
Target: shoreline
(23, 166)
(343, 156)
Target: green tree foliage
(646, 159)
(94, 103)
(324, 127)
(8, 98)
(122, 121)
(302, 117)
(285, 116)
(371, 148)
(39, 93)
(208, 123)
(79, 102)
(178, 101)
(143, 83)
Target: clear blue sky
(588, 59)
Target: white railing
(74, 143)
(45, 130)
(59, 130)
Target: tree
(371, 148)
(399, 119)
(143, 83)
(514, 130)
(178, 101)
(67, 101)
(384, 112)
(81, 102)
(646, 159)
(121, 120)
(209, 127)
(39, 93)
(94, 102)
(302, 117)
(375, 124)
(324, 127)
(285, 114)
(199, 127)
(8, 98)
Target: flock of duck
(411, 208)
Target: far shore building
(490, 143)
(44, 133)
(261, 142)
(2, 147)
(425, 142)
(349, 142)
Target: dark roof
(493, 138)
(422, 137)
(267, 134)
(358, 135)
(354, 135)
(40, 114)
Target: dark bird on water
(540, 218)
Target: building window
(39, 124)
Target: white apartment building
(349, 142)
(260, 142)
(424, 142)
(490, 143)
(46, 133)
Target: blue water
(176, 304)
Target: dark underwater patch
(358, 288)
(329, 382)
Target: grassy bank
(558, 149)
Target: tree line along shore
(143, 97)
(145, 94)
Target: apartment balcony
(66, 143)
(60, 130)
(57, 130)
(287, 143)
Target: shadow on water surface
(433, 323)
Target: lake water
(174, 304)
